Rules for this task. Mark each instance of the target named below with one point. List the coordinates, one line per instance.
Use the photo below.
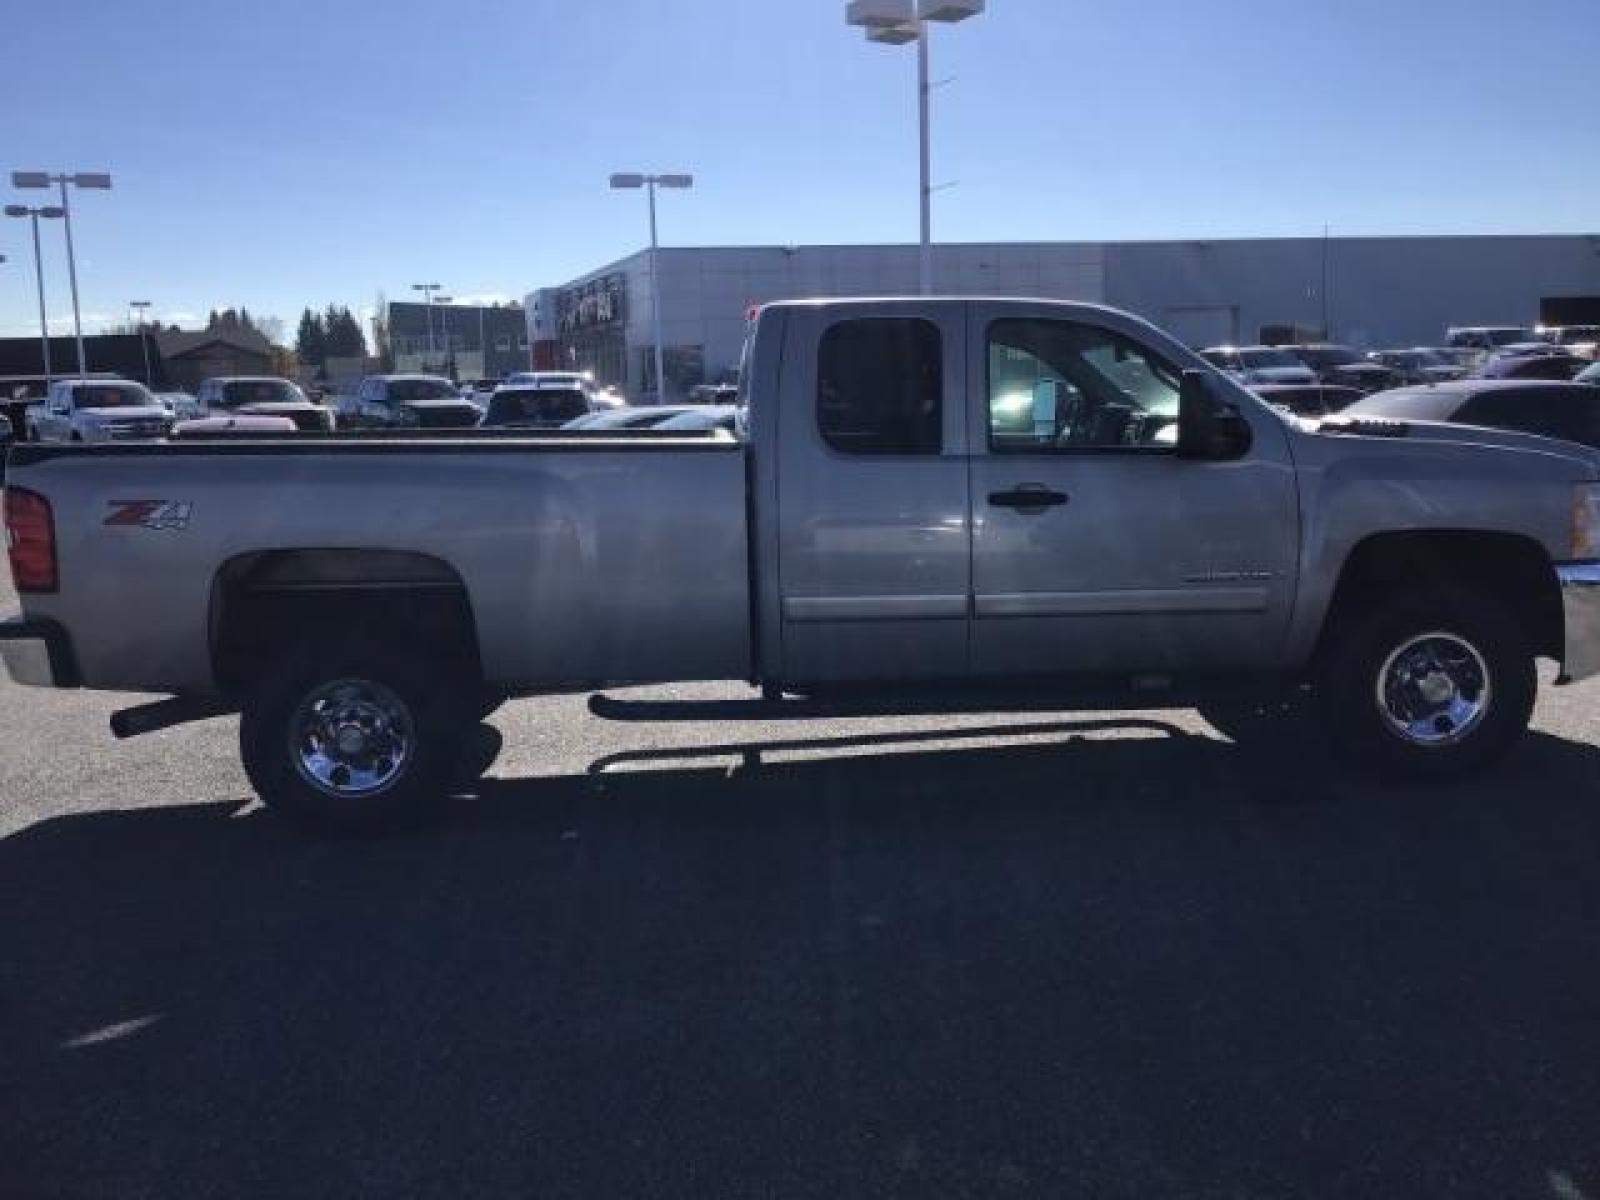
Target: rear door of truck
(873, 539)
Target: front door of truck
(1094, 546)
(873, 542)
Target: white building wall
(1381, 290)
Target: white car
(181, 405)
(99, 410)
(1251, 365)
(242, 425)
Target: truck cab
(990, 489)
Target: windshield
(1265, 356)
(113, 395)
(237, 393)
(402, 391)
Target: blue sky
(283, 154)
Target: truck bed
(586, 559)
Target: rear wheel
(1432, 687)
(350, 737)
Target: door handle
(1029, 499)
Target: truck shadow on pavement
(1108, 966)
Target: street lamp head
(92, 179)
(30, 179)
(675, 181)
(444, 299)
(17, 210)
(894, 35)
(949, 11)
(880, 14)
(629, 180)
(51, 212)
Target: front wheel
(348, 738)
(1430, 688)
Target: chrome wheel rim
(352, 738)
(1434, 690)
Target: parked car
(1259, 364)
(1345, 367)
(1570, 411)
(535, 406)
(1419, 365)
(233, 426)
(181, 405)
(1527, 349)
(713, 393)
(1532, 366)
(1487, 338)
(479, 390)
(1464, 357)
(704, 416)
(263, 396)
(1007, 494)
(99, 410)
(1581, 340)
(408, 402)
(1308, 399)
(628, 417)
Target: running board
(609, 708)
(164, 714)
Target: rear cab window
(880, 386)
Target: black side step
(878, 704)
(164, 714)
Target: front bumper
(37, 653)
(1580, 611)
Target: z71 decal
(151, 514)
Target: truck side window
(1062, 386)
(880, 386)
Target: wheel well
(266, 602)
(1514, 570)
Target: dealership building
(1369, 292)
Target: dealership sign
(595, 304)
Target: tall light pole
(49, 213)
(98, 180)
(444, 328)
(895, 23)
(651, 182)
(427, 290)
(141, 307)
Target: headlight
(1586, 521)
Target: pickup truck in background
(938, 503)
(407, 402)
(229, 396)
(98, 410)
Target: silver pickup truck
(935, 502)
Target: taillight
(31, 540)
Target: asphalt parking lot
(1037, 954)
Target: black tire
(488, 703)
(426, 698)
(1476, 638)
